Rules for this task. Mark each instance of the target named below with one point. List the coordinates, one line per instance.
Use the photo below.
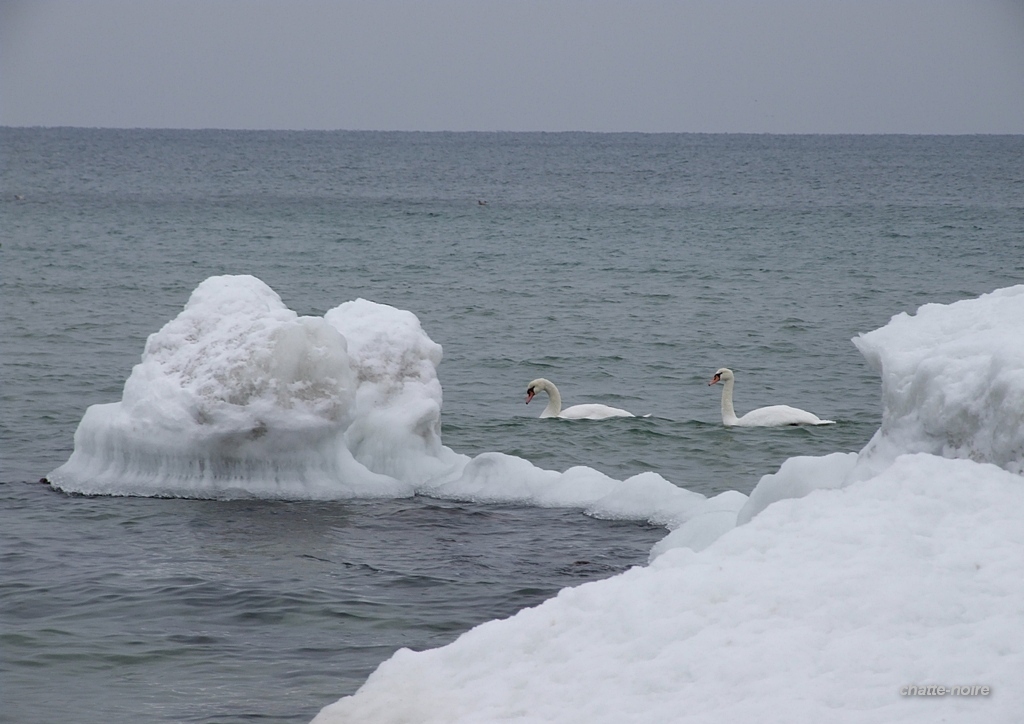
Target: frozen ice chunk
(952, 382)
(236, 396)
(397, 425)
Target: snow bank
(854, 577)
(818, 610)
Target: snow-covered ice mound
(952, 381)
(952, 385)
(240, 396)
(855, 579)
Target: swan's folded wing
(593, 412)
(780, 415)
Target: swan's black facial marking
(530, 392)
(715, 379)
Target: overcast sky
(781, 66)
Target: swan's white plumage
(771, 416)
(590, 411)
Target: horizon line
(225, 129)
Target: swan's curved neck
(554, 407)
(728, 413)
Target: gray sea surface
(627, 268)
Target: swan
(576, 412)
(771, 416)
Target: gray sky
(780, 66)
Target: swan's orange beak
(529, 396)
(716, 378)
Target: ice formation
(952, 385)
(238, 396)
(853, 580)
(952, 381)
(839, 582)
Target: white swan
(576, 412)
(771, 416)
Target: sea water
(626, 268)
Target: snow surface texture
(900, 566)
